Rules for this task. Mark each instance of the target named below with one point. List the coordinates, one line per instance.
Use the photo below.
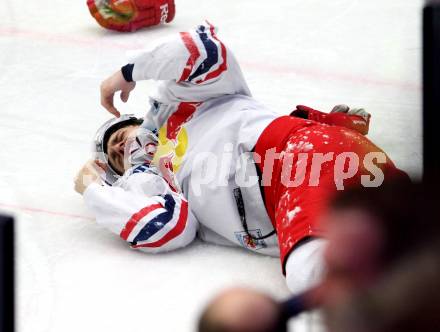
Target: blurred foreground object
(241, 310)
(383, 260)
(6, 274)
(382, 269)
(431, 86)
(405, 299)
(131, 15)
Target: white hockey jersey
(207, 124)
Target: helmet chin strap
(109, 164)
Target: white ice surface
(73, 275)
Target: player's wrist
(127, 72)
(119, 83)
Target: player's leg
(305, 265)
(298, 208)
(300, 234)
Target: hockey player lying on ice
(215, 145)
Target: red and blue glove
(341, 115)
(131, 15)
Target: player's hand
(358, 119)
(110, 86)
(88, 174)
(341, 115)
(351, 111)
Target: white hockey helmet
(100, 141)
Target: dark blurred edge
(7, 302)
(431, 88)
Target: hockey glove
(131, 15)
(341, 115)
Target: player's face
(116, 147)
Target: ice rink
(74, 276)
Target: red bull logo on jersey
(173, 137)
(171, 150)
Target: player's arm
(195, 58)
(144, 212)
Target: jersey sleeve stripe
(173, 233)
(142, 223)
(156, 224)
(134, 220)
(194, 55)
(224, 66)
(212, 54)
